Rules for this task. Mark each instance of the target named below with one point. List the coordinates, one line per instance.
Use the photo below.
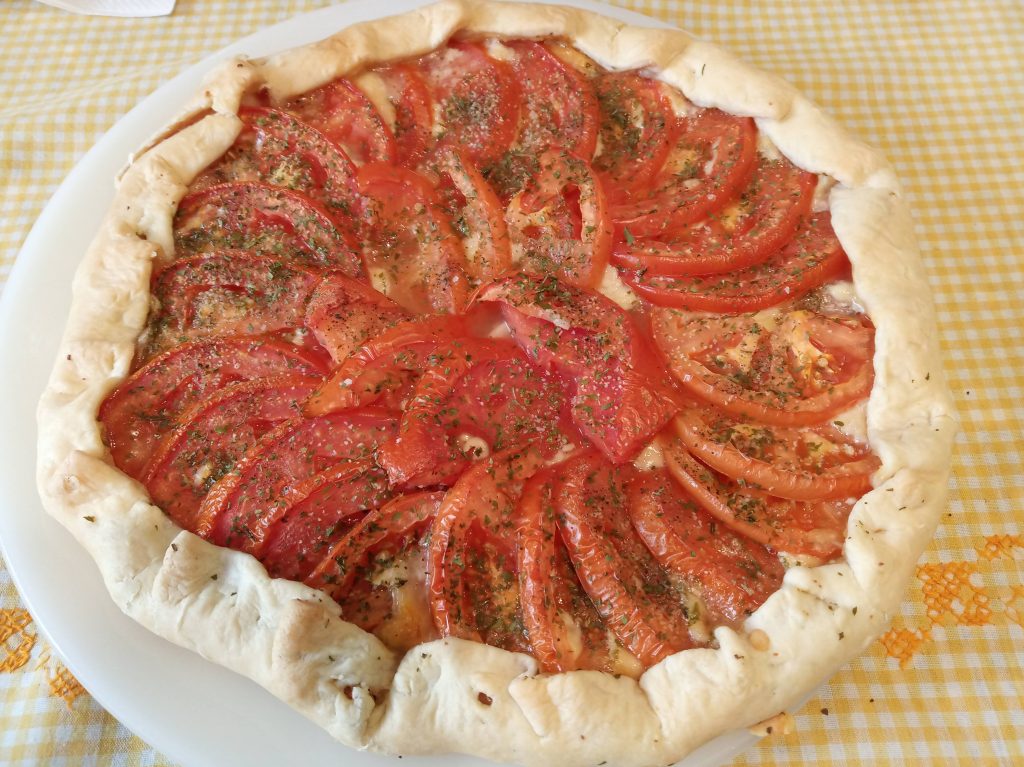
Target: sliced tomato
(732, 574)
(265, 220)
(800, 463)
(343, 313)
(213, 436)
(414, 113)
(559, 223)
(476, 396)
(343, 113)
(786, 366)
(631, 591)
(479, 99)
(227, 293)
(377, 572)
(476, 213)
(148, 404)
(383, 369)
(472, 585)
(621, 396)
(277, 148)
(566, 632)
(762, 221)
(710, 163)
(244, 503)
(559, 104)
(412, 247)
(808, 261)
(638, 127)
(814, 528)
(321, 511)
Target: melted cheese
(377, 92)
(614, 288)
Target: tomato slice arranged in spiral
(800, 463)
(213, 436)
(631, 591)
(732, 574)
(814, 528)
(762, 221)
(414, 113)
(811, 258)
(343, 113)
(785, 366)
(264, 220)
(149, 403)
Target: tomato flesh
(343, 113)
(414, 113)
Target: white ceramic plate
(195, 712)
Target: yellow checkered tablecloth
(939, 86)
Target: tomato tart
(504, 379)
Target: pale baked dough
(287, 637)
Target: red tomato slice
(732, 575)
(343, 313)
(620, 394)
(630, 590)
(472, 586)
(559, 224)
(213, 436)
(412, 244)
(227, 293)
(815, 528)
(811, 258)
(382, 369)
(244, 503)
(638, 127)
(320, 513)
(747, 233)
(479, 99)
(476, 214)
(265, 220)
(800, 463)
(414, 113)
(343, 113)
(559, 104)
(149, 403)
(566, 632)
(473, 389)
(710, 163)
(786, 366)
(377, 571)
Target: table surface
(938, 86)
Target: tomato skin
(779, 384)
(479, 99)
(559, 224)
(150, 402)
(472, 585)
(380, 365)
(213, 436)
(814, 528)
(348, 118)
(324, 508)
(628, 587)
(264, 220)
(778, 199)
(800, 464)
(559, 104)
(733, 575)
(687, 188)
(343, 313)
(412, 241)
(243, 504)
(226, 293)
(809, 260)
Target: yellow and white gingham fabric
(937, 85)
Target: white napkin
(134, 8)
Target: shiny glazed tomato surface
(508, 348)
